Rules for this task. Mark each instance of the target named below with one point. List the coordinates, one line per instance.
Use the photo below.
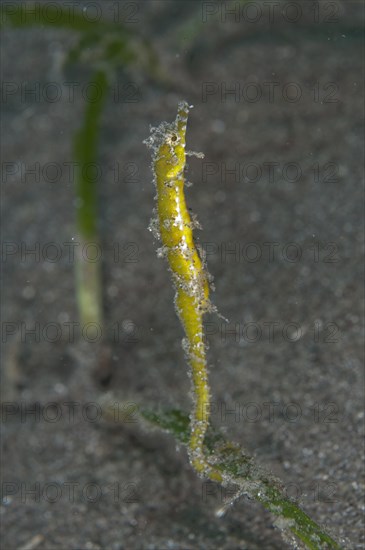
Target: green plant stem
(88, 263)
(241, 470)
